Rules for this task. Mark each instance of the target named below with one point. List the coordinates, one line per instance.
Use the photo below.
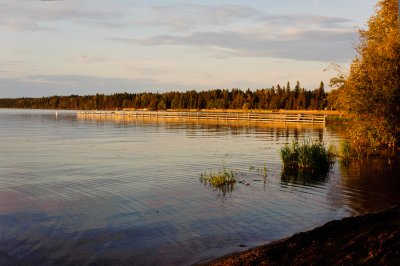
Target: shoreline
(372, 239)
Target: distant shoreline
(372, 239)
(332, 116)
(305, 111)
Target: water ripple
(108, 192)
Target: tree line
(274, 98)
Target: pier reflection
(279, 132)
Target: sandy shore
(371, 239)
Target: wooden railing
(260, 117)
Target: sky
(64, 47)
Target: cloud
(187, 17)
(11, 66)
(6, 63)
(315, 45)
(88, 59)
(36, 15)
(45, 85)
(221, 31)
(41, 15)
(304, 20)
(86, 81)
(224, 31)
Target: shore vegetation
(370, 91)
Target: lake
(76, 191)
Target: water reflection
(305, 178)
(371, 184)
(85, 191)
(222, 128)
(222, 189)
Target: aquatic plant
(264, 171)
(345, 151)
(308, 157)
(224, 180)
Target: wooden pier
(254, 117)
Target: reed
(345, 151)
(309, 156)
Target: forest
(274, 98)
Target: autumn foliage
(372, 88)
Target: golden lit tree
(373, 83)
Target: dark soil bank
(371, 239)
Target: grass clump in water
(345, 151)
(224, 180)
(307, 158)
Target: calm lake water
(117, 192)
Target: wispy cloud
(41, 15)
(186, 17)
(317, 45)
(88, 59)
(30, 15)
(234, 30)
(304, 20)
(160, 32)
(10, 67)
(39, 85)
(221, 30)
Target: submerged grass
(224, 180)
(308, 158)
(261, 171)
